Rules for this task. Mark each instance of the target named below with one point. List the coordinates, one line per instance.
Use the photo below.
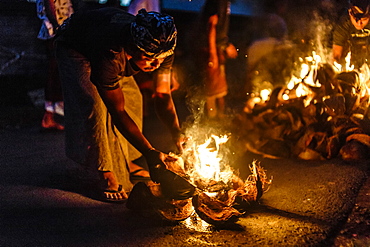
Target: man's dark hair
(359, 8)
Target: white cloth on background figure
(149, 5)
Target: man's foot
(115, 195)
(48, 122)
(114, 192)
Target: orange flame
(207, 161)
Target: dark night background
(23, 60)
(309, 202)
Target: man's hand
(180, 140)
(174, 82)
(231, 51)
(173, 186)
(156, 163)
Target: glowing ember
(194, 222)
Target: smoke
(324, 19)
(195, 101)
(312, 27)
(322, 28)
(198, 128)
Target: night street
(309, 202)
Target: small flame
(207, 161)
(338, 66)
(349, 67)
(265, 93)
(307, 72)
(305, 68)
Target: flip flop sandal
(106, 194)
(133, 175)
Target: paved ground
(356, 231)
(308, 203)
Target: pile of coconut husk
(219, 207)
(332, 121)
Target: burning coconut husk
(171, 199)
(227, 205)
(318, 124)
(147, 198)
(220, 196)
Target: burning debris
(321, 114)
(228, 204)
(220, 196)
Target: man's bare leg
(138, 170)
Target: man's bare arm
(338, 53)
(165, 108)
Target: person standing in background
(52, 13)
(216, 49)
(270, 56)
